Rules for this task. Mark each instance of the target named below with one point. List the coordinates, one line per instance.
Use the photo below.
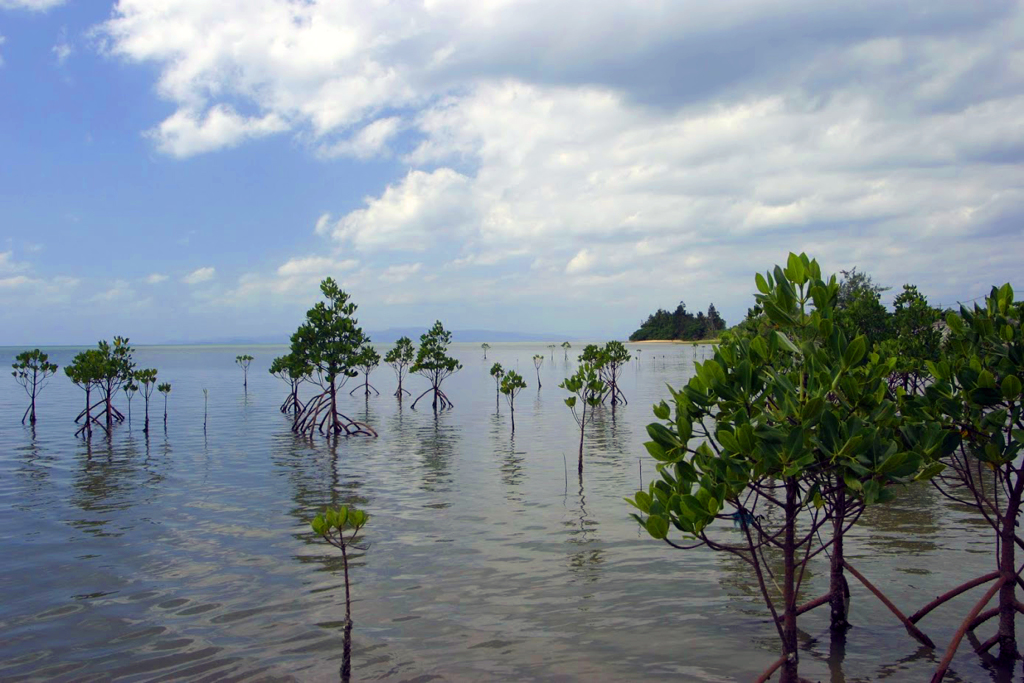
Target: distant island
(680, 325)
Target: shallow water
(188, 555)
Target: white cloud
(9, 265)
(315, 266)
(62, 50)
(371, 141)
(156, 278)
(119, 291)
(400, 273)
(199, 275)
(2, 41)
(700, 143)
(189, 132)
(412, 215)
(31, 5)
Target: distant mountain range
(389, 336)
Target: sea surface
(187, 555)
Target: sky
(188, 170)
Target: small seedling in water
(243, 362)
(511, 385)
(165, 389)
(340, 527)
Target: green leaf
(762, 285)
(855, 351)
(662, 411)
(1011, 388)
(930, 471)
(657, 526)
(787, 343)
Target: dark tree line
(680, 324)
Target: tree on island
(511, 384)
(86, 371)
(243, 362)
(32, 370)
(329, 343)
(680, 325)
(365, 362)
(434, 363)
(400, 357)
(290, 369)
(497, 372)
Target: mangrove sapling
(566, 346)
(551, 347)
(975, 392)
(613, 357)
(328, 343)
(781, 416)
(147, 380)
(434, 363)
(243, 362)
(290, 369)
(333, 525)
(586, 388)
(206, 402)
(87, 370)
(485, 346)
(165, 389)
(400, 357)
(32, 370)
(497, 372)
(365, 362)
(511, 384)
(129, 390)
(538, 360)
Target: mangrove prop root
(940, 672)
(911, 628)
(441, 401)
(949, 595)
(767, 673)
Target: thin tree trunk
(789, 639)
(1007, 568)
(583, 424)
(839, 591)
(346, 662)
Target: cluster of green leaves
(800, 403)
(164, 388)
(976, 387)
(87, 369)
(367, 359)
(538, 360)
(31, 367)
(511, 384)
(289, 367)
(244, 360)
(586, 388)
(402, 354)
(497, 372)
(680, 324)
(432, 359)
(332, 523)
(330, 339)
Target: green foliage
(289, 368)
(586, 388)
(332, 524)
(680, 324)
(432, 359)
(538, 360)
(87, 369)
(367, 359)
(511, 384)
(330, 340)
(32, 367)
(485, 346)
(147, 379)
(402, 354)
(497, 371)
(164, 388)
(856, 284)
(244, 360)
(977, 384)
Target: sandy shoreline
(677, 341)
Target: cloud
(119, 291)
(31, 5)
(199, 275)
(189, 132)
(412, 214)
(315, 266)
(62, 50)
(682, 145)
(400, 273)
(156, 278)
(9, 265)
(2, 41)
